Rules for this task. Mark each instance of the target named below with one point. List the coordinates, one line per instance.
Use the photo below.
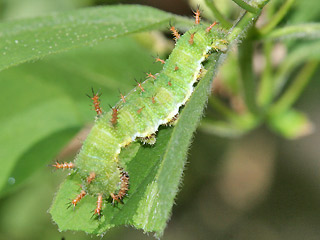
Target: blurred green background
(259, 186)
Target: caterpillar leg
(149, 139)
(201, 73)
(173, 120)
(220, 45)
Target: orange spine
(96, 102)
(65, 165)
(114, 116)
(78, 198)
(124, 187)
(98, 209)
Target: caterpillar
(138, 115)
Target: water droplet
(11, 180)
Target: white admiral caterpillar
(138, 115)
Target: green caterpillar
(138, 115)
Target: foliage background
(259, 186)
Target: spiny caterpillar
(138, 115)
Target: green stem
(265, 92)
(237, 32)
(247, 76)
(277, 17)
(241, 27)
(224, 22)
(246, 6)
(296, 88)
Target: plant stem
(237, 32)
(246, 6)
(296, 88)
(266, 85)
(243, 24)
(277, 17)
(247, 76)
(224, 22)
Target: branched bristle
(157, 59)
(98, 209)
(175, 32)
(65, 165)
(208, 29)
(124, 187)
(96, 102)
(191, 38)
(197, 15)
(151, 75)
(75, 201)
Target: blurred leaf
(234, 126)
(44, 104)
(155, 174)
(306, 51)
(229, 73)
(15, 9)
(291, 124)
(30, 39)
(305, 11)
(304, 31)
(20, 131)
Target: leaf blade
(31, 39)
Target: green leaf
(155, 173)
(304, 31)
(31, 39)
(291, 124)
